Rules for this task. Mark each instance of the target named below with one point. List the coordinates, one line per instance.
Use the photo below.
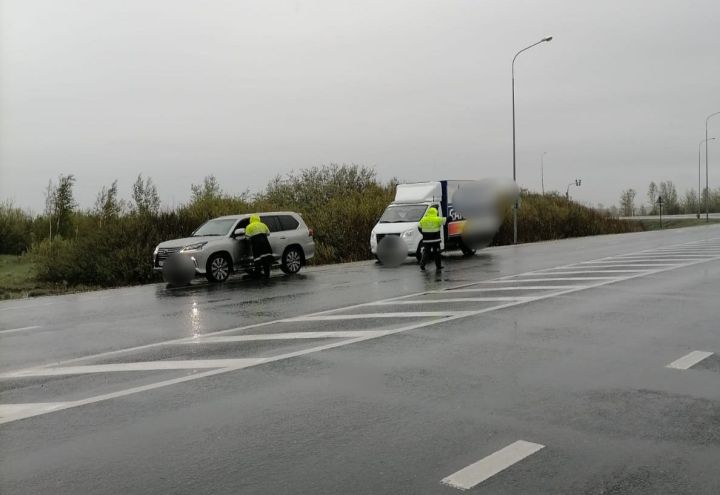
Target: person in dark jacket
(430, 226)
(257, 232)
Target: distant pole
(707, 187)
(699, 193)
(542, 171)
(515, 206)
(660, 203)
(577, 183)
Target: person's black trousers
(431, 249)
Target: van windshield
(403, 213)
(215, 227)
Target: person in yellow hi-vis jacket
(258, 234)
(430, 226)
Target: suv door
(290, 230)
(241, 245)
(277, 241)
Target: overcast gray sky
(420, 90)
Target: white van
(401, 217)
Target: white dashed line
(491, 465)
(689, 360)
(21, 329)
(548, 279)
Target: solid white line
(491, 465)
(189, 364)
(689, 360)
(285, 336)
(13, 330)
(11, 412)
(454, 300)
(408, 314)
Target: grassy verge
(673, 223)
(18, 279)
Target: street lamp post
(542, 172)
(699, 148)
(515, 206)
(707, 187)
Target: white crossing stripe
(522, 287)
(453, 300)
(409, 314)
(285, 336)
(13, 330)
(616, 264)
(10, 412)
(139, 366)
(548, 279)
(578, 272)
(689, 360)
(491, 465)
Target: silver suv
(219, 246)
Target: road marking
(624, 264)
(188, 364)
(408, 314)
(27, 306)
(11, 412)
(578, 272)
(552, 291)
(689, 360)
(485, 468)
(523, 287)
(21, 329)
(285, 336)
(549, 279)
(454, 300)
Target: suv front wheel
(292, 260)
(218, 268)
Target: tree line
(672, 202)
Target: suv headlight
(156, 250)
(408, 233)
(193, 247)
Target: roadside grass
(18, 279)
(674, 223)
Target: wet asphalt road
(212, 389)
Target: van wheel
(466, 251)
(218, 268)
(292, 260)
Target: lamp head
(549, 38)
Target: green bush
(15, 229)
(340, 203)
(551, 216)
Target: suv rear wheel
(292, 260)
(218, 268)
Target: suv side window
(288, 222)
(242, 224)
(272, 222)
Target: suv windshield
(404, 213)
(215, 227)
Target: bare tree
(145, 196)
(627, 202)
